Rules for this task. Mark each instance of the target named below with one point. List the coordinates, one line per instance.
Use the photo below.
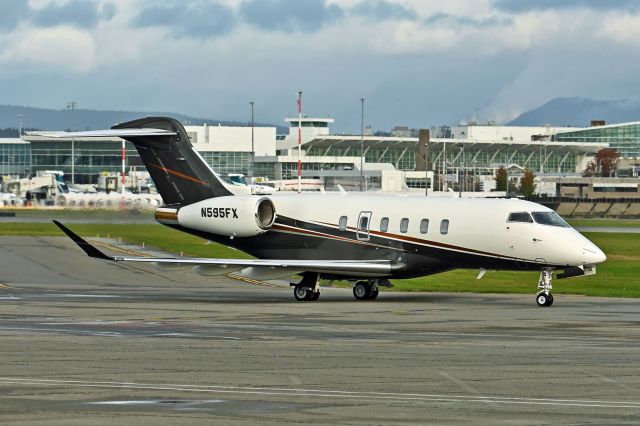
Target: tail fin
(179, 172)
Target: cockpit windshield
(549, 218)
(520, 217)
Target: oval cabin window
(444, 226)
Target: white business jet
(363, 238)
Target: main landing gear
(366, 290)
(307, 290)
(544, 296)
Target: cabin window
(520, 217)
(404, 225)
(424, 226)
(444, 226)
(549, 218)
(384, 224)
(342, 224)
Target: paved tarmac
(89, 342)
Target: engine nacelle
(232, 216)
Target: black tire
(313, 296)
(361, 290)
(301, 293)
(542, 299)
(373, 295)
(550, 302)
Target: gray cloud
(383, 10)
(290, 15)
(447, 19)
(108, 11)
(12, 12)
(80, 13)
(199, 19)
(529, 5)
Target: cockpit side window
(520, 217)
(550, 218)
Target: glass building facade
(92, 158)
(95, 157)
(625, 138)
(404, 158)
(15, 157)
(228, 162)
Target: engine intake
(232, 216)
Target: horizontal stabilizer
(121, 133)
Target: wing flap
(357, 268)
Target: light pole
(361, 144)
(299, 142)
(253, 150)
(444, 166)
(461, 177)
(473, 184)
(72, 106)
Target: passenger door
(364, 223)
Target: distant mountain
(579, 112)
(86, 119)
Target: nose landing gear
(544, 296)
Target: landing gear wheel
(313, 296)
(361, 290)
(301, 293)
(544, 296)
(543, 299)
(374, 294)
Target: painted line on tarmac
(297, 392)
(250, 280)
(458, 382)
(120, 250)
(3, 285)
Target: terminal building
(389, 163)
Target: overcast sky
(417, 62)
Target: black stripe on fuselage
(295, 239)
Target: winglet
(84, 245)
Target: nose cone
(592, 255)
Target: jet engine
(232, 216)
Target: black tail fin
(180, 174)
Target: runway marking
(120, 250)
(159, 401)
(3, 285)
(250, 280)
(458, 382)
(610, 380)
(297, 392)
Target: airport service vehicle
(238, 180)
(365, 238)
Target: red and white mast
(299, 141)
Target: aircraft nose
(593, 255)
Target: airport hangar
(389, 161)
